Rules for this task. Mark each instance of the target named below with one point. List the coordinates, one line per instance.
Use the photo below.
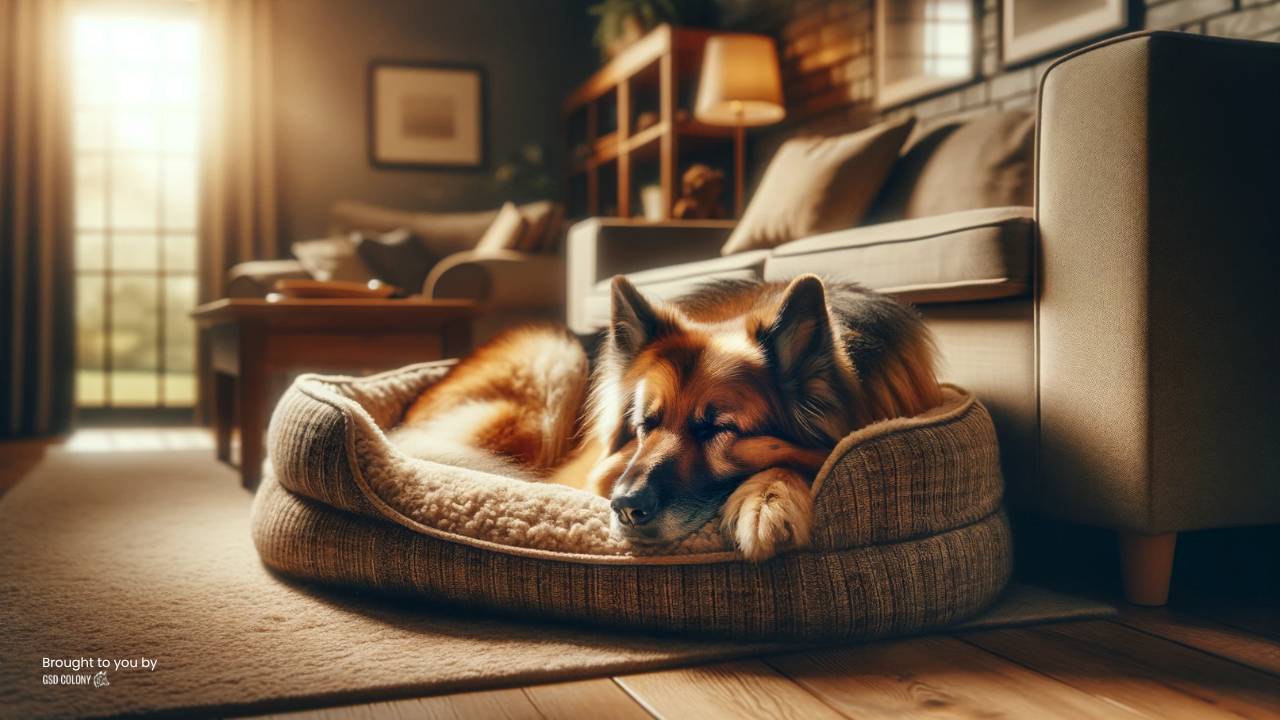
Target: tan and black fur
(726, 402)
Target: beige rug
(132, 556)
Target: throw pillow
(397, 258)
(442, 233)
(331, 258)
(542, 221)
(506, 232)
(818, 184)
(982, 163)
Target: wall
(322, 49)
(827, 49)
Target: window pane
(134, 193)
(90, 192)
(91, 252)
(179, 328)
(179, 342)
(176, 88)
(92, 81)
(90, 341)
(179, 389)
(180, 253)
(134, 338)
(181, 45)
(133, 251)
(91, 388)
(180, 194)
(135, 85)
(90, 130)
(179, 130)
(136, 130)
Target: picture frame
(923, 47)
(1031, 29)
(427, 115)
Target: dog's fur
(726, 401)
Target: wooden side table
(253, 342)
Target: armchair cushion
(332, 258)
(970, 255)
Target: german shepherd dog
(724, 402)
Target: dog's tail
(519, 397)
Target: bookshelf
(631, 125)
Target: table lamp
(740, 87)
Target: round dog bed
(908, 529)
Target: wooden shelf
(654, 68)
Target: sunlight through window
(135, 97)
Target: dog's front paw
(768, 513)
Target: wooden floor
(1214, 653)
(1146, 664)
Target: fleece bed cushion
(909, 533)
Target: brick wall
(828, 54)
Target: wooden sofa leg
(1146, 562)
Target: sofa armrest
(256, 278)
(599, 248)
(498, 279)
(1158, 173)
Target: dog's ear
(634, 320)
(799, 337)
(800, 347)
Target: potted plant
(622, 22)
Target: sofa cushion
(543, 221)
(969, 255)
(818, 184)
(672, 281)
(506, 233)
(445, 233)
(397, 258)
(982, 163)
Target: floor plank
(938, 676)
(1257, 620)
(585, 699)
(747, 689)
(510, 704)
(1208, 635)
(1135, 670)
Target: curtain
(238, 172)
(36, 303)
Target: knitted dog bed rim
(309, 392)
(859, 593)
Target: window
(134, 104)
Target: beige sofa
(1121, 328)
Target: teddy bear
(700, 189)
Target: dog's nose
(636, 507)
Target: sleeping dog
(725, 402)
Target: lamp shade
(740, 84)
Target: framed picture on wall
(427, 115)
(1032, 28)
(923, 47)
